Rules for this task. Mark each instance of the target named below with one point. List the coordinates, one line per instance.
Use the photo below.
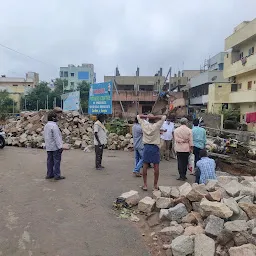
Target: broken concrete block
(185, 189)
(246, 249)
(236, 226)
(249, 208)
(165, 191)
(233, 188)
(146, 204)
(214, 225)
(204, 245)
(182, 245)
(163, 202)
(172, 231)
(197, 193)
(193, 230)
(215, 208)
(131, 198)
(177, 212)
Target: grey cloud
(146, 33)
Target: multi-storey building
(75, 75)
(134, 93)
(205, 81)
(18, 86)
(240, 69)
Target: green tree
(6, 104)
(39, 95)
(84, 88)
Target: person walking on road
(138, 147)
(53, 144)
(183, 146)
(151, 140)
(100, 139)
(166, 139)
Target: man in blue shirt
(199, 139)
(206, 167)
(138, 147)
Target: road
(72, 217)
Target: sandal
(143, 188)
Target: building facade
(240, 69)
(181, 80)
(75, 75)
(136, 94)
(18, 86)
(203, 87)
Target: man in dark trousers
(53, 144)
(100, 139)
(183, 146)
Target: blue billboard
(100, 98)
(71, 101)
(83, 75)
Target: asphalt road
(72, 217)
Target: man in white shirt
(166, 138)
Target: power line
(4, 46)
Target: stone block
(146, 204)
(204, 245)
(214, 226)
(131, 198)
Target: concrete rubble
(189, 223)
(76, 129)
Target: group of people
(153, 137)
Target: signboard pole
(118, 96)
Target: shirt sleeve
(96, 128)
(57, 137)
(139, 119)
(191, 138)
(160, 123)
(204, 138)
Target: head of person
(100, 117)
(151, 121)
(184, 121)
(52, 116)
(196, 122)
(203, 153)
(168, 120)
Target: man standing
(138, 147)
(183, 146)
(53, 144)
(199, 139)
(166, 138)
(207, 167)
(100, 139)
(151, 140)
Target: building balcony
(242, 96)
(243, 32)
(131, 96)
(239, 67)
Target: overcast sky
(107, 33)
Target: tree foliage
(84, 88)
(6, 104)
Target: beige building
(136, 93)
(240, 69)
(18, 86)
(181, 80)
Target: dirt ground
(71, 217)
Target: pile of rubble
(216, 219)
(77, 131)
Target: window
(61, 73)
(72, 74)
(249, 85)
(65, 73)
(227, 55)
(28, 84)
(233, 87)
(219, 86)
(72, 83)
(14, 85)
(250, 106)
(251, 51)
(241, 55)
(239, 86)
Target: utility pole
(47, 105)
(37, 105)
